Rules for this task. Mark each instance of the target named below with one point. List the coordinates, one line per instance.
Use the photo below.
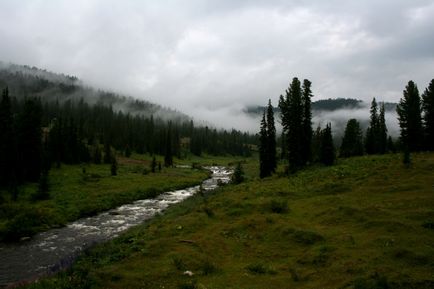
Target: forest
(45, 123)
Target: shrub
(238, 176)
(257, 268)
(208, 268)
(279, 206)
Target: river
(56, 249)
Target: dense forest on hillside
(52, 119)
(330, 104)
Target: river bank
(56, 249)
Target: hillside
(327, 105)
(365, 223)
(24, 81)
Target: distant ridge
(25, 81)
(327, 105)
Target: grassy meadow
(367, 222)
(83, 190)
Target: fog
(209, 59)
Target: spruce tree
(7, 141)
(410, 119)
(168, 156)
(428, 115)
(271, 139)
(263, 160)
(153, 164)
(382, 131)
(114, 166)
(372, 131)
(307, 122)
(291, 109)
(108, 157)
(327, 152)
(238, 175)
(30, 140)
(352, 142)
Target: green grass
(364, 223)
(77, 191)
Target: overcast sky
(211, 58)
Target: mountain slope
(25, 81)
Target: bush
(375, 282)
(114, 167)
(208, 268)
(257, 268)
(22, 225)
(43, 188)
(279, 206)
(428, 225)
(238, 176)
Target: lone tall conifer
(428, 115)
(410, 119)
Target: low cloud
(209, 57)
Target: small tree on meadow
(238, 175)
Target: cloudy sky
(211, 58)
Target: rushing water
(55, 249)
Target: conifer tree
(307, 122)
(410, 119)
(153, 164)
(238, 175)
(30, 140)
(382, 131)
(291, 109)
(263, 160)
(428, 115)
(114, 166)
(7, 141)
(168, 156)
(107, 153)
(316, 144)
(271, 138)
(372, 131)
(352, 142)
(327, 151)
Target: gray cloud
(211, 58)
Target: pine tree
(271, 139)
(410, 119)
(316, 144)
(352, 142)
(153, 164)
(327, 148)
(372, 131)
(391, 145)
(97, 154)
(168, 156)
(291, 109)
(382, 131)
(30, 140)
(108, 157)
(263, 145)
(114, 166)
(7, 142)
(238, 175)
(307, 122)
(428, 115)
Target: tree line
(300, 145)
(36, 135)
